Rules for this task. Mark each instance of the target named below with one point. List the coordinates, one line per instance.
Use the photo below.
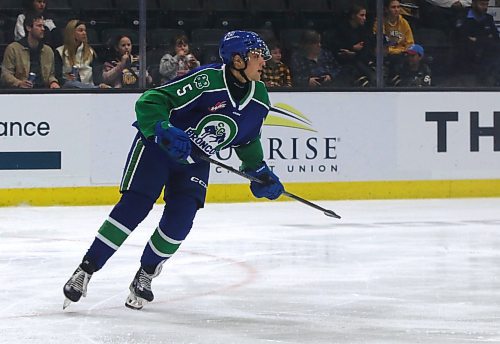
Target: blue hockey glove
(271, 188)
(173, 140)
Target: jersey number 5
(183, 91)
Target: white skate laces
(76, 286)
(140, 290)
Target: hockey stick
(327, 212)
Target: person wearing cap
(414, 72)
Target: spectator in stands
(75, 59)
(414, 72)
(52, 36)
(29, 63)
(478, 39)
(442, 14)
(313, 66)
(178, 62)
(354, 46)
(275, 72)
(397, 32)
(121, 70)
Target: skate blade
(134, 302)
(66, 303)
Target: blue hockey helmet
(241, 43)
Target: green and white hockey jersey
(200, 104)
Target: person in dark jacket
(477, 40)
(313, 66)
(354, 46)
(414, 72)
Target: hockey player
(213, 107)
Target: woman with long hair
(75, 59)
(354, 45)
(397, 32)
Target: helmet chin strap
(244, 75)
(242, 71)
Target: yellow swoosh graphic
(291, 109)
(276, 121)
(284, 115)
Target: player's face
(255, 64)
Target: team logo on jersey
(213, 133)
(201, 81)
(219, 105)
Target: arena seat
(162, 37)
(109, 34)
(317, 14)
(100, 13)
(226, 14)
(183, 14)
(271, 14)
(207, 36)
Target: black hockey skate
(76, 287)
(140, 290)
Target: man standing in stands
(29, 63)
(478, 41)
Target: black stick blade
(331, 213)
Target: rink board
(71, 148)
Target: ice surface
(419, 271)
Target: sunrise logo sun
(284, 115)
